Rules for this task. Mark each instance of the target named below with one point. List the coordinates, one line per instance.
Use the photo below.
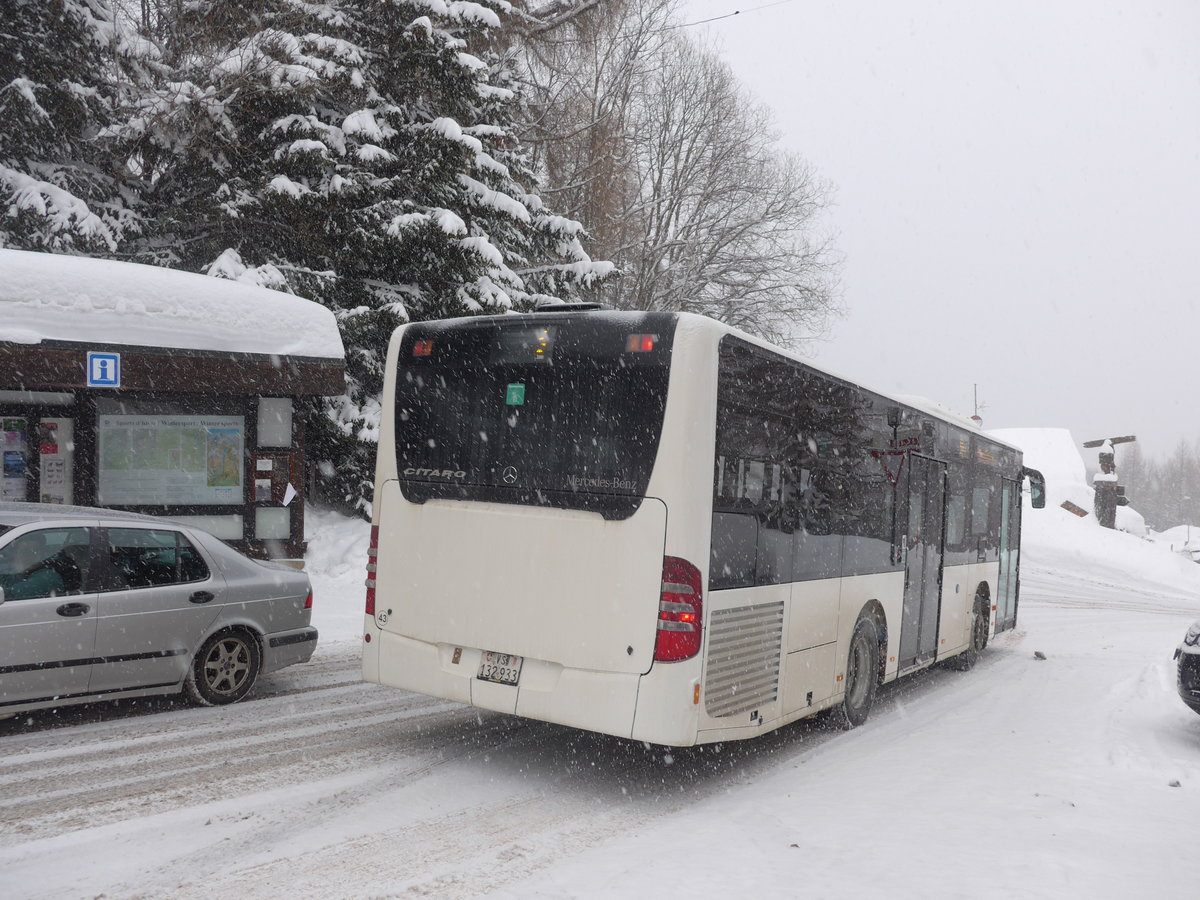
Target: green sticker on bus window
(515, 396)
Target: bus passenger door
(1010, 536)
(924, 544)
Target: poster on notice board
(14, 451)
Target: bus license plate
(502, 668)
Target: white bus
(654, 526)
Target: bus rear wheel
(862, 676)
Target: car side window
(151, 557)
(192, 566)
(45, 563)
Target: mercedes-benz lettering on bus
(654, 526)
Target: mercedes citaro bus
(655, 526)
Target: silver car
(99, 605)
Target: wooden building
(158, 391)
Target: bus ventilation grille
(742, 672)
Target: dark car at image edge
(97, 604)
(1187, 677)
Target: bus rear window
(560, 410)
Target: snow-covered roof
(50, 297)
(936, 409)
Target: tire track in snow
(197, 770)
(545, 793)
(314, 768)
(65, 778)
(1076, 590)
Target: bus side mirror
(1037, 487)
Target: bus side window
(981, 498)
(956, 520)
(752, 522)
(985, 512)
(734, 552)
(737, 489)
(817, 544)
(868, 524)
(775, 527)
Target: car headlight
(1192, 638)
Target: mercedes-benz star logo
(509, 474)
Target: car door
(158, 597)
(48, 617)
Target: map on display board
(170, 459)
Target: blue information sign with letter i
(104, 369)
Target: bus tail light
(372, 556)
(640, 343)
(680, 611)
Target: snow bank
(336, 563)
(1054, 453)
(72, 298)
(1053, 539)
(1056, 540)
(1181, 539)
(1179, 535)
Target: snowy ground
(1077, 775)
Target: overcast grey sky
(1017, 197)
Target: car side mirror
(1037, 487)
(1, 596)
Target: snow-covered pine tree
(359, 153)
(61, 65)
